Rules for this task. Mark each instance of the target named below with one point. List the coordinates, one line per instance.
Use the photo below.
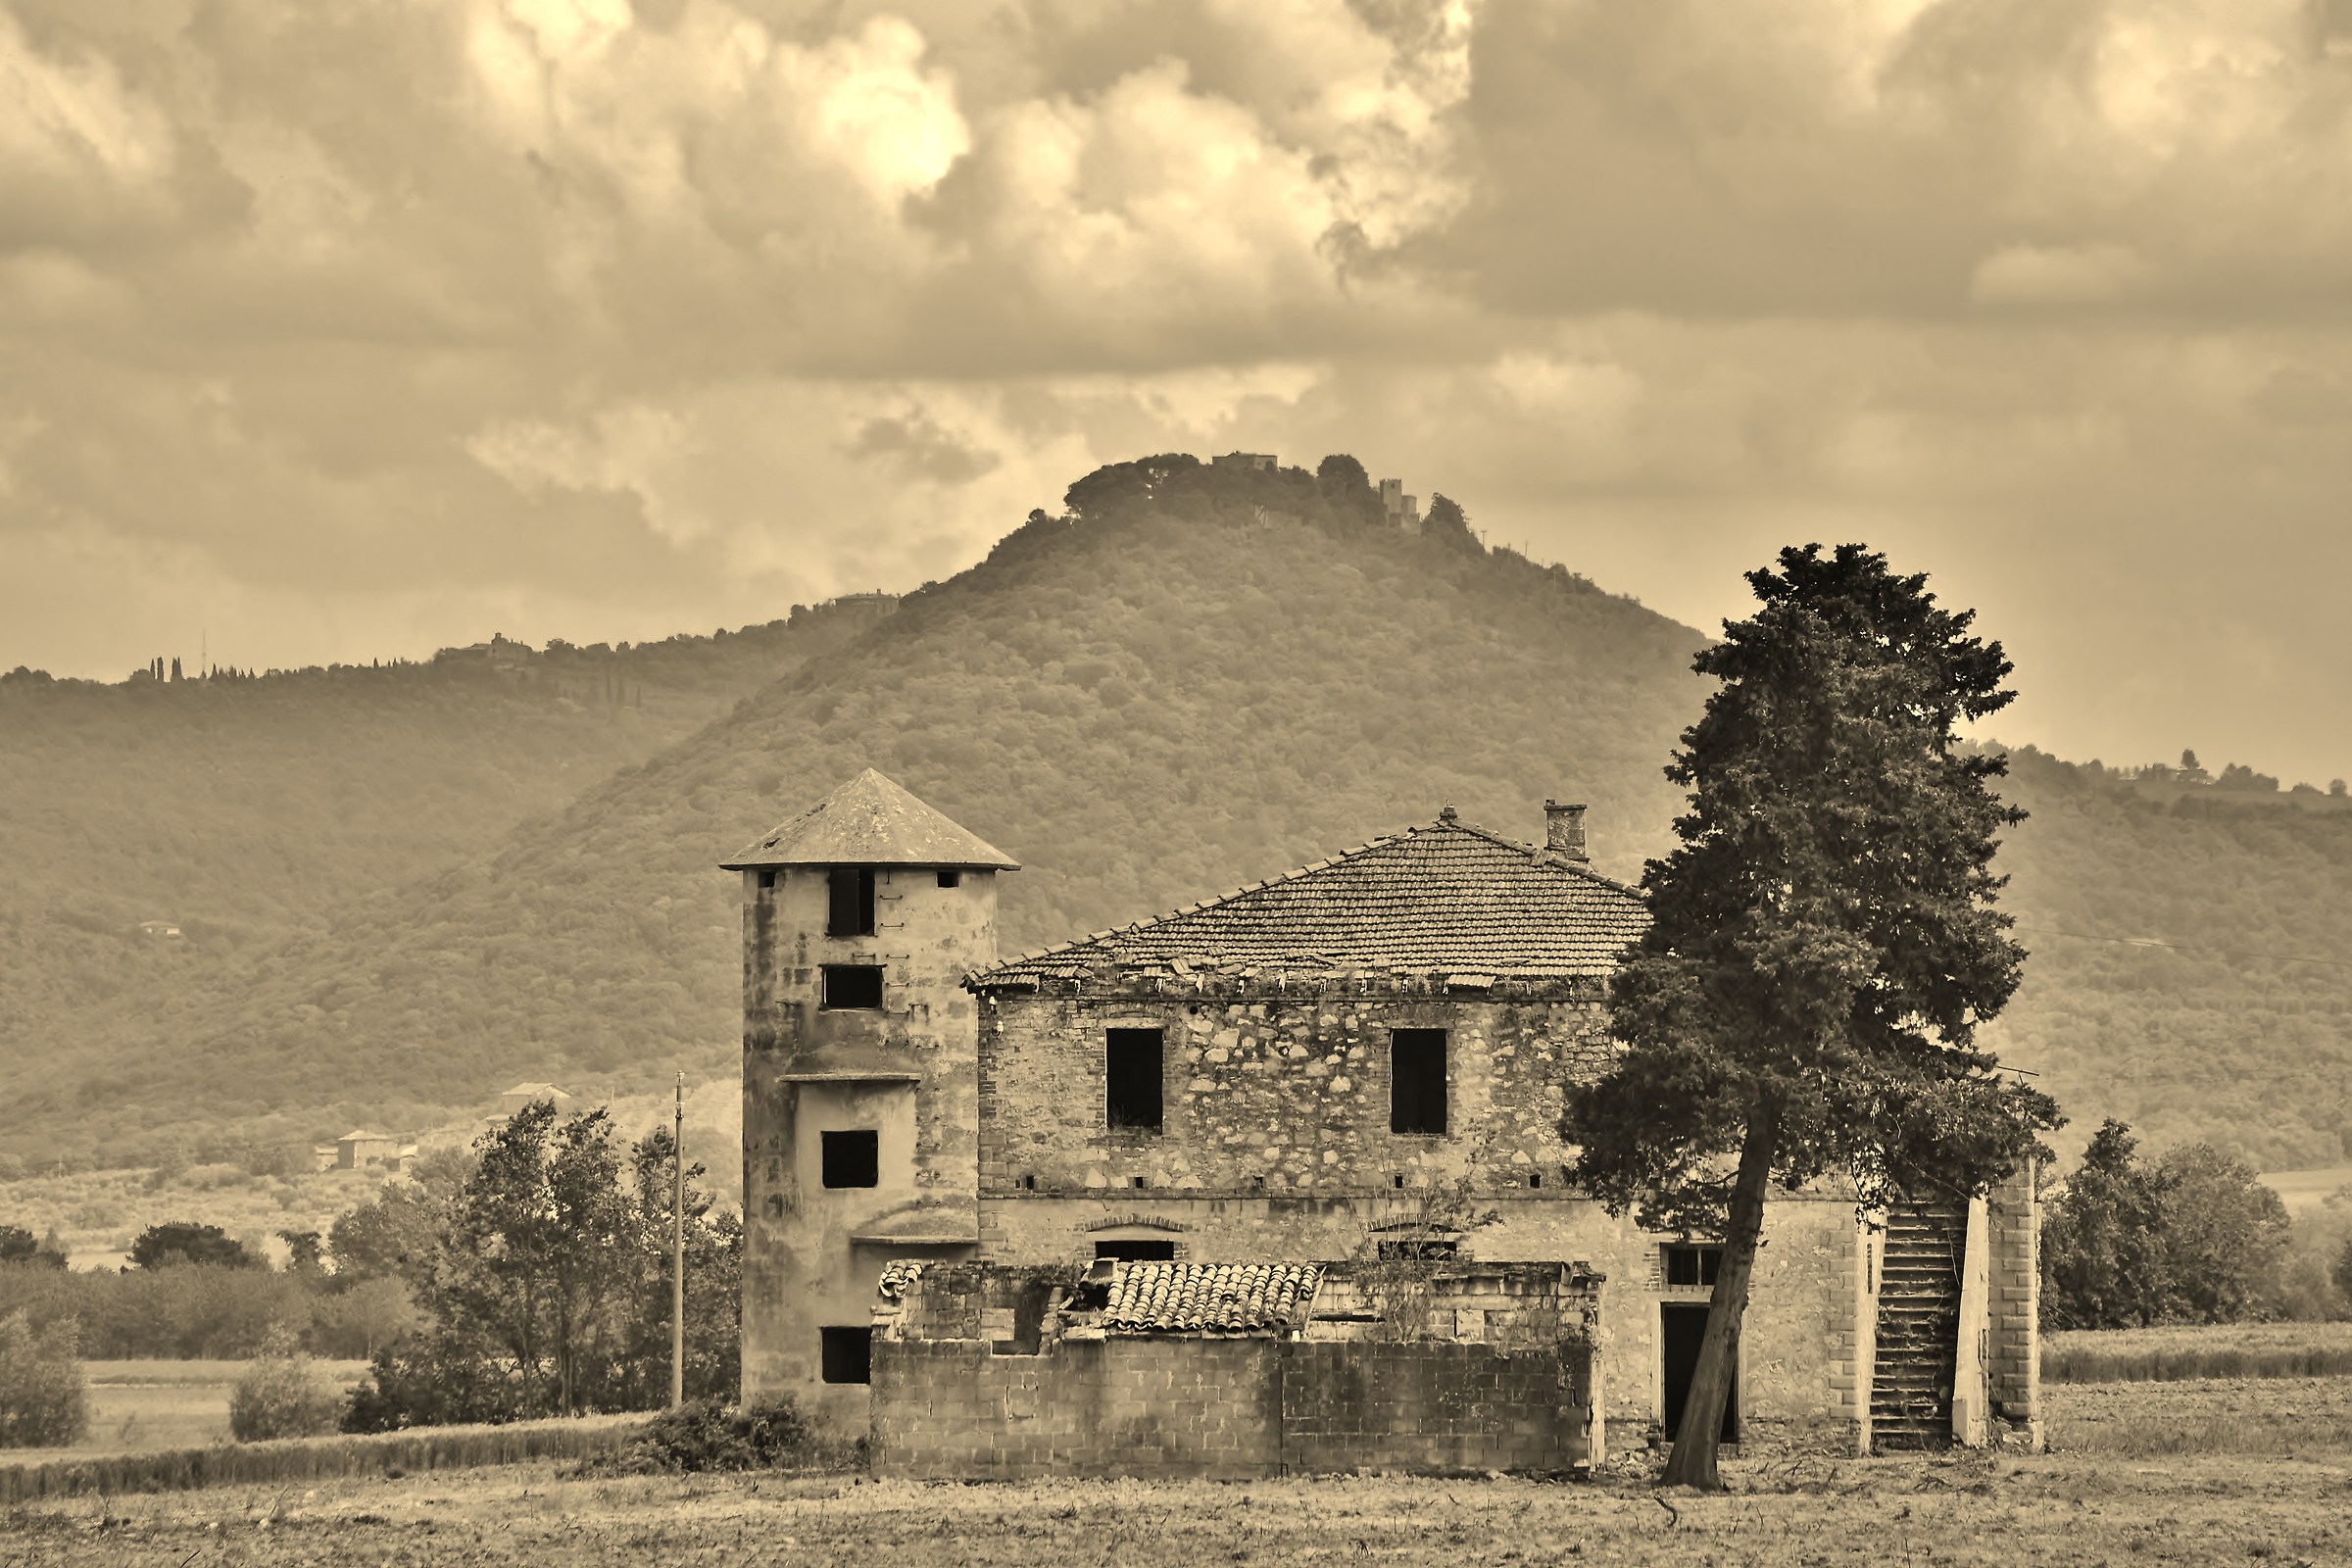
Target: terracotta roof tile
(1209, 1298)
(1445, 898)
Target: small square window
(1691, 1266)
(1137, 1252)
(849, 986)
(853, 1158)
(767, 879)
(850, 909)
(1535, 1178)
(950, 879)
(1417, 1081)
(1131, 1079)
(848, 1355)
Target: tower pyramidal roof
(871, 821)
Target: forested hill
(1193, 679)
(244, 808)
(1178, 690)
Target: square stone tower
(861, 1074)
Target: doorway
(1682, 1328)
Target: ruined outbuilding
(1355, 1064)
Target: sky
(339, 332)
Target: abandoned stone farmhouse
(1145, 1200)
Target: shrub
(282, 1396)
(43, 1402)
(709, 1434)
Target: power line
(2182, 947)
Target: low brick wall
(1223, 1409)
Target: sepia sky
(331, 331)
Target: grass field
(138, 1406)
(2307, 1189)
(2194, 1351)
(2143, 1473)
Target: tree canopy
(1822, 941)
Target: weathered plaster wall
(906, 1070)
(1807, 1306)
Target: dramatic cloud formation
(334, 331)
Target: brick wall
(2013, 1348)
(1222, 1408)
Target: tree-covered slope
(245, 808)
(1157, 701)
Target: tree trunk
(1693, 1461)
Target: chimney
(1564, 832)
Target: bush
(282, 1396)
(709, 1434)
(43, 1402)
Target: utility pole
(677, 1251)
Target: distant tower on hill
(861, 1074)
(1404, 510)
(1262, 461)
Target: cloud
(604, 317)
(2064, 274)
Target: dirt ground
(1973, 1509)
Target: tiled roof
(1445, 898)
(871, 821)
(1210, 1298)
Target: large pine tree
(1822, 943)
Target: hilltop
(1191, 679)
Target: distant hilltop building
(501, 652)
(1264, 462)
(159, 930)
(1404, 510)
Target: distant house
(360, 1148)
(402, 1161)
(1262, 461)
(159, 930)
(523, 1094)
(324, 1156)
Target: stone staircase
(1919, 1320)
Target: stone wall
(1285, 1095)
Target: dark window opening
(1691, 1266)
(1417, 1250)
(1257, 1181)
(1029, 1184)
(1139, 1184)
(950, 879)
(1131, 1079)
(851, 985)
(1137, 1252)
(767, 879)
(853, 1160)
(1682, 1328)
(1534, 1179)
(848, 1355)
(1396, 1182)
(1417, 1081)
(851, 911)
